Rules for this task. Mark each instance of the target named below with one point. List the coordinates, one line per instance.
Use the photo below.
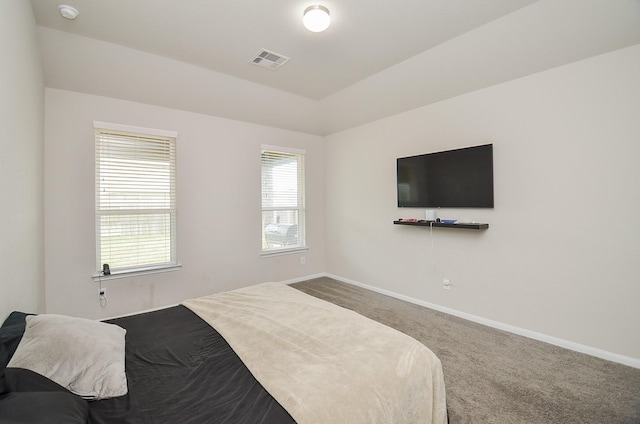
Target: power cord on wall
(102, 296)
(433, 247)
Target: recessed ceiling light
(316, 18)
(68, 12)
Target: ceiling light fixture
(316, 18)
(68, 12)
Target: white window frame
(299, 208)
(133, 132)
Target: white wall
(21, 150)
(219, 216)
(561, 255)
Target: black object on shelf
(461, 225)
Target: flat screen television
(460, 178)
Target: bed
(262, 354)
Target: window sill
(280, 252)
(135, 273)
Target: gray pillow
(82, 355)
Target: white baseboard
(157, 308)
(306, 277)
(599, 353)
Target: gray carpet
(494, 376)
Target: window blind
(282, 200)
(135, 200)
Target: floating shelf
(422, 223)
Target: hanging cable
(433, 247)
(102, 297)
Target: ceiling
(365, 36)
(377, 59)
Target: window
(282, 200)
(135, 198)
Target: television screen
(461, 178)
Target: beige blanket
(324, 363)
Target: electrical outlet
(303, 260)
(446, 284)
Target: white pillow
(85, 356)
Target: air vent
(269, 60)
